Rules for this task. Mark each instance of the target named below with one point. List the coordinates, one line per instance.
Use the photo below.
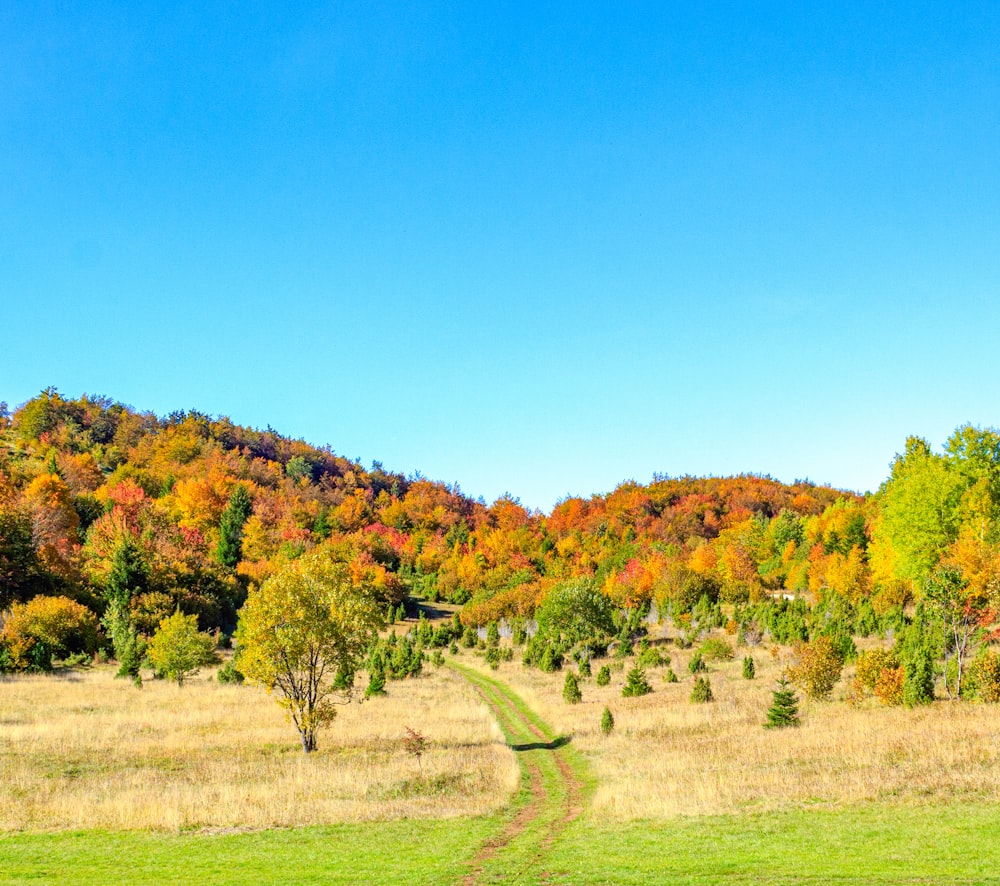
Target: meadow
(208, 782)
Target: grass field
(101, 783)
(85, 750)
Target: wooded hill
(196, 510)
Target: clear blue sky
(537, 248)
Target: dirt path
(551, 794)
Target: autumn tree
(302, 626)
(178, 649)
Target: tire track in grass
(551, 794)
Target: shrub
(889, 686)
(636, 684)
(697, 664)
(784, 710)
(749, 668)
(872, 663)
(818, 668)
(571, 689)
(437, 659)
(469, 637)
(702, 691)
(585, 668)
(717, 649)
(670, 676)
(493, 657)
(603, 676)
(607, 722)
(453, 649)
(986, 669)
(229, 673)
(651, 657)
(492, 634)
(45, 628)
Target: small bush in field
(651, 657)
(670, 676)
(607, 722)
(697, 664)
(571, 689)
(872, 663)
(818, 668)
(229, 673)
(889, 686)
(749, 668)
(636, 684)
(702, 691)
(603, 676)
(717, 649)
(987, 676)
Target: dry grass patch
(669, 757)
(89, 751)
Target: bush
(651, 657)
(889, 686)
(636, 684)
(749, 668)
(697, 664)
(670, 676)
(585, 668)
(45, 628)
(607, 722)
(986, 670)
(437, 659)
(702, 691)
(571, 689)
(818, 668)
(603, 676)
(229, 673)
(717, 649)
(872, 663)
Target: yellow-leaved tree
(300, 630)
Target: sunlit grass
(89, 751)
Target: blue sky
(536, 248)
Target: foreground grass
(954, 844)
(397, 852)
(941, 844)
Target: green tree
(749, 668)
(571, 689)
(784, 710)
(603, 676)
(236, 514)
(298, 629)
(607, 722)
(636, 684)
(178, 649)
(575, 612)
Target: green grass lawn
(872, 844)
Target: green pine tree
(571, 689)
(603, 676)
(784, 710)
(749, 669)
(607, 721)
(237, 512)
(636, 684)
(376, 682)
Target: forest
(120, 514)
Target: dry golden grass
(669, 757)
(87, 750)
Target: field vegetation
(84, 750)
